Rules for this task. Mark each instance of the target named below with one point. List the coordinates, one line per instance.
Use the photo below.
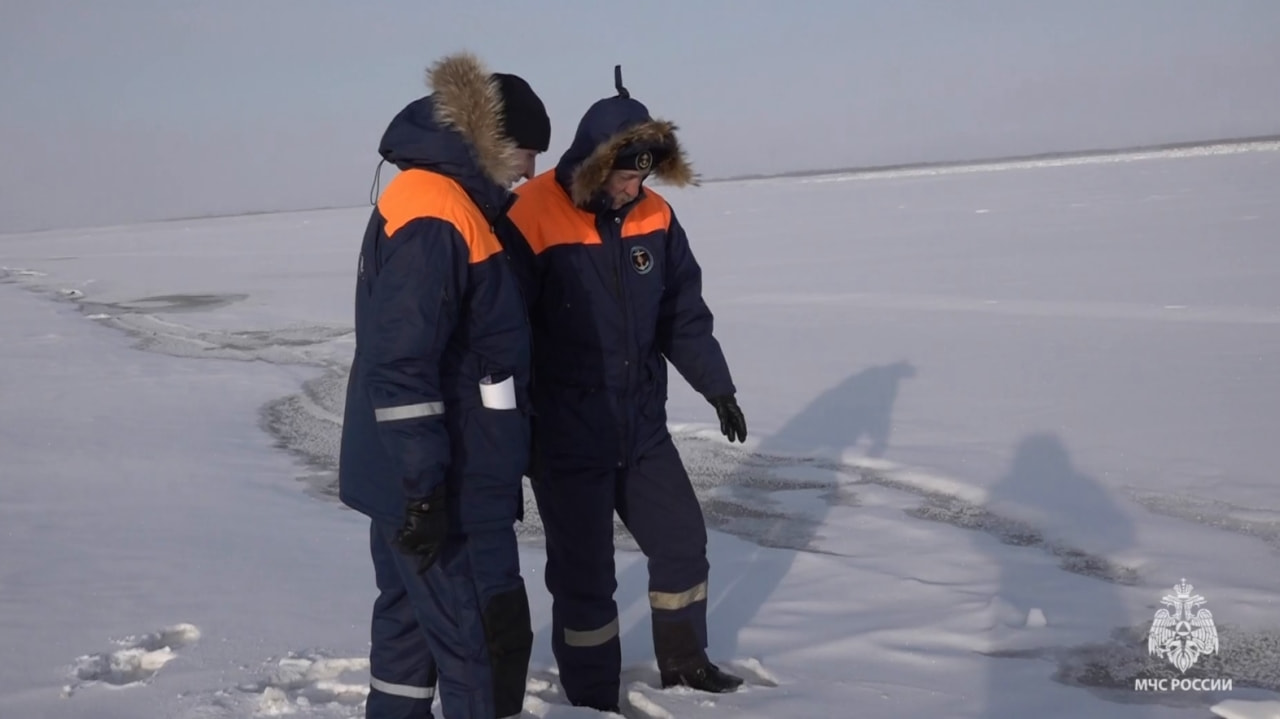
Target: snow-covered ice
(1238, 709)
(996, 414)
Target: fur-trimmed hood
(609, 126)
(457, 131)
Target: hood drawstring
(377, 176)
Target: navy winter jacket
(438, 310)
(613, 295)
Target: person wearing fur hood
(435, 433)
(614, 293)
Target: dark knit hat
(524, 117)
(639, 157)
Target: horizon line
(1001, 159)
(866, 170)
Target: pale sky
(116, 111)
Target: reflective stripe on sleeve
(408, 411)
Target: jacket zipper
(625, 440)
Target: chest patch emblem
(641, 260)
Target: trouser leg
(660, 509)
(402, 672)
(577, 515)
(473, 609)
(504, 612)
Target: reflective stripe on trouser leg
(402, 671)
(577, 515)
(472, 607)
(664, 516)
(672, 601)
(679, 627)
(591, 637)
(407, 691)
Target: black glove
(732, 423)
(426, 523)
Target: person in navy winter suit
(615, 293)
(436, 433)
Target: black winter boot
(707, 678)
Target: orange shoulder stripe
(652, 214)
(419, 194)
(546, 217)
